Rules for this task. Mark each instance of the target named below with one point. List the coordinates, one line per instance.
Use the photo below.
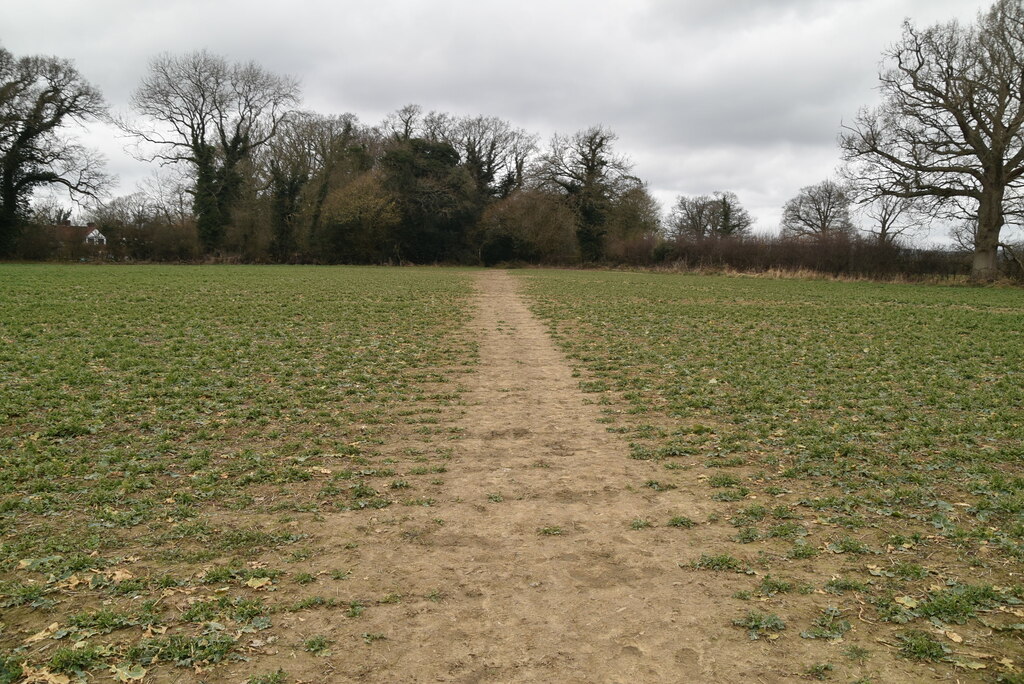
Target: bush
(839, 256)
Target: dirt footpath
(597, 602)
(530, 570)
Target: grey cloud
(744, 95)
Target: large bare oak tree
(950, 126)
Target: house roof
(72, 234)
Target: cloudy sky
(741, 95)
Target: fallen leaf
(954, 637)
(42, 676)
(72, 582)
(128, 673)
(970, 664)
(46, 633)
(258, 582)
(907, 601)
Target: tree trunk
(9, 220)
(985, 267)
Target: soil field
(288, 474)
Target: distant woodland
(246, 175)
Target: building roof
(78, 234)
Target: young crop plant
(277, 677)
(760, 624)
(848, 545)
(771, 586)
(820, 671)
(918, 645)
(802, 550)
(717, 562)
(829, 625)
(681, 521)
(841, 585)
(318, 645)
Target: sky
(741, 95)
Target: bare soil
(528, 567)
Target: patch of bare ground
(541, 555)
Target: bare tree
(951, 126)
(404, 124)
(691, 218)
(890, 218)
(717, 215)
(495, 153)
(169, 193)
(964, 235)
(818, 211)
(200, 110)
(39, 97)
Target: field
(861, 442)
(160, 427)
(276, 474)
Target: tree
(585, 170)
(819, 211)
(529, 225)
(360, 219)
(733, 219)
(404, 124)
(950, 128)
(891, 218)
(717, 215)
(494, 153)
(39, 97)
(311, 155)
(200, 110)
(435, 197)
(691, 218)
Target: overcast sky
(741, 95)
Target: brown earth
(528, 566)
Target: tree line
(248, 175)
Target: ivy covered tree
(199, 110)
(39, 98)
(584, 168)
(435, 197)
